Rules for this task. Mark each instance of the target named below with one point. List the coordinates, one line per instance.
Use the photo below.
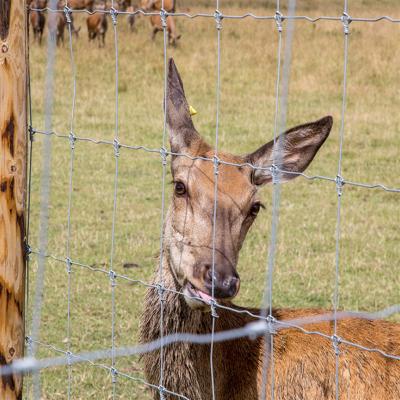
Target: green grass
(304, 269)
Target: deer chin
(196, 298)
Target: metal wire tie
(278, 20)
(114, 13)
(213, 305)
(339, 185)
(346, 19)
(218, 19)
(163, 16)
(67, 12)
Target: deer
(156, 5)
(97, 27)
(173, 37)
(304, 365)
(57, 24)
(37, 20)
(80, 4)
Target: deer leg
(154, 33)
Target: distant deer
(304, 365)
(156, 23)
(80, 4)
(58, 22)
(37, 20)
(156, 5)
(97, 27)
(131, 18)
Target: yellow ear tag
(192, 111)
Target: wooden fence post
(13, 124)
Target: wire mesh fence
(266, 324)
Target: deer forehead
(234, 183)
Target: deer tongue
(204, 296)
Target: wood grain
(12, 189)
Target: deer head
(189, 223)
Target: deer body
(97, 27)
(156, 23)
(304, 365)
(37, 20)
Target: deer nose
(225, 285)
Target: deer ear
(182, 131)
(293, 150)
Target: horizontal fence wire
(223, 16)
(387, 312)
(263, 324)
(272, 168)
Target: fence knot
(216, 165)
(218, 19)
(114, 374)
(164, 154)
(117, 146)
(163, 16)
(28, 250)
(72, 140)
(339, 185)
(213, 305)
(336, 341)
(161, 390)
(28, 341)
(270, 324)
(67, 12)
(274, 170)
(113, 276)
(69, 357)
(31, 132)
(346, 20)
(114, 14)
(69, 265)
(278, 20)
(160, 291)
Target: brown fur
(37, 20)
(81, 4)
(97, 27)
(131, 18)
(57, 25)
(155, 5)
(304, 364)
(156, 23)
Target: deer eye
(180, 188)
(255, 209)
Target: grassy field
(304, 270)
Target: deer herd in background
(97, 22)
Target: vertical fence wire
(163, 16)
(44, 200)
(339, 190)
(68, 18)
(281, 98)
(279, 125)
(112, 274)
(29, 152)
(218, 21)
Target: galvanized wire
(250, 15)
(270, 324)
(339, 190)
(213, 312)
(112, 276)
(251, 330)
(160, 285)
(44, 205)
(266, 168)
